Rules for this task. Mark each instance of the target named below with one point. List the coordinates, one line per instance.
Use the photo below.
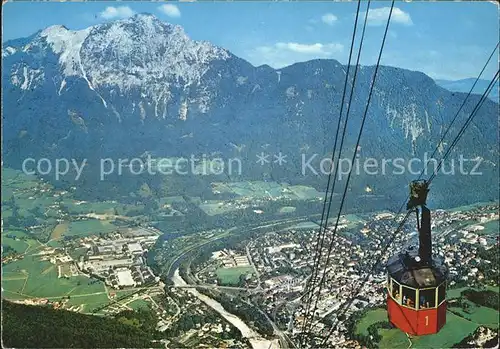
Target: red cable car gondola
(416, 299)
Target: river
(256, 340)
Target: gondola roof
(407, 269)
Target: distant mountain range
(141, 85)
(464, 85)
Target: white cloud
(117, 12)
(378, 16)
(283, 54)
(170, 10)
(329, 18)
(318, 49)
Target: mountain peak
(140, 53)
(145, 16)
(54, 29)
(148, 20)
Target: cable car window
(441, 293)
(409, 297)
(427, 298)
(395, 291)
(389, 289)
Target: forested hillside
(26, 326)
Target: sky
(445, 40)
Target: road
(283, 338)
(229, 288)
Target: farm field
(89, 303)
(231, 276)
(453, 332)
(87, 227)
(216, 207)
(81, 207)
(98, 207)
(32, 277)
(457, 292)
(491, 228)
(392, 339)
(57, 243)
(19, 245)
(44, 217)
(305, 192)
(479, 314)
(262, 189)
(287, 209)
(372, 317)
(139, 304)
(59, 230)
(22, 242)
(40, 280)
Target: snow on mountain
(131, 55)
(7, 51)
(140, 52)
(68, 45)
